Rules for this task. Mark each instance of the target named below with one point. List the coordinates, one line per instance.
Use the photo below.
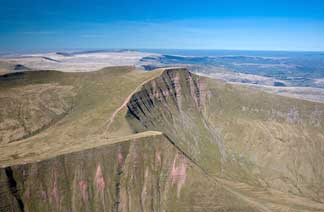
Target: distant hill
(7, 67)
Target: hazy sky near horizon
(241, 24)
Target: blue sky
(249, 24)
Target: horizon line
(51, 50)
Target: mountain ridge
(200, 120)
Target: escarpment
(175, 104)
(165, 140)
(237, 133)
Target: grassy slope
(140, 174)
(262, 140)
(83, 132)
(247, 122)
(272, 142)
(271, 136)
(96, 95)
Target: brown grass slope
(265, 141)
(75, 162)
(204, 145)
(32, 101)
(139, 174)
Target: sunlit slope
(143, 173)
(237, 133)
(167, 140)
(79, 104)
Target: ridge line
(113, 116)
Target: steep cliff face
(174, 103)
(143, 174)
(237, 133)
